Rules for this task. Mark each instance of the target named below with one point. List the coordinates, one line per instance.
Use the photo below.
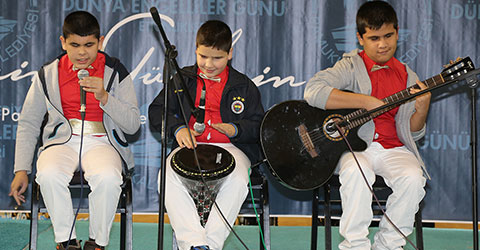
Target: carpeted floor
(14, 235)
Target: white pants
(402, 173)
(103, 171)
(182, 211)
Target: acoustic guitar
(302, 145)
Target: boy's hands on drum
(183, 138)
(224, 128)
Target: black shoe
(205, 247)
(75, 246)
(91, 245)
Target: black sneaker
(91, 245)
(76, 246)
(205, 247)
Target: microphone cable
(199, 125)
(371, 188)
(198, 163)
(82, 114)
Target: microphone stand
(171, 72)
(472, 82)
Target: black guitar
(301, 144)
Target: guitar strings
(356, 118)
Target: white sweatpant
(402, 173)
(182, 211)
(103, 171)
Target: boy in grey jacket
(51, 111)
(371, 75)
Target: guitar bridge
(306, 140)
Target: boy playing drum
(233, 113)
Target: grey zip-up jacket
(350, 74)
(121, 114)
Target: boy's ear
(230, 54)
(100, 42)
(360, 39)
(64, 42)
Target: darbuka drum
(215, 164)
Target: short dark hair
(215, 34)
(81, 23)
(374, 14)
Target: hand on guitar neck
(422, 104)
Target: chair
(125, 208)
(262, 206)
(381, 190)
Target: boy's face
(379, 45)
(81, 50)
(212, 61)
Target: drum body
(203, 183)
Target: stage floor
(14, 235)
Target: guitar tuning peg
(451, 62)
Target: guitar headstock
(457, 69)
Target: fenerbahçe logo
(237, 105)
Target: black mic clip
(472, 81)
(171, 52)
(331, 127)
(196, 112)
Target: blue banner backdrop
(279, 44)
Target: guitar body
(296, 162)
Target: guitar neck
(452, 73)
(405, 94)
(362, 116)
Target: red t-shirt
(386, 82)
(213, 96)
(70, 89)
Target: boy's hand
(18, 186)
(422, 102)
(95, 85)
(224, 128)
(183, 138)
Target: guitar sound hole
(330, 129)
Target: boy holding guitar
(371, 75)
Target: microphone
(155, 15)
(82, 74)
(156, 19)
(199, 125)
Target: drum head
(215, 162)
